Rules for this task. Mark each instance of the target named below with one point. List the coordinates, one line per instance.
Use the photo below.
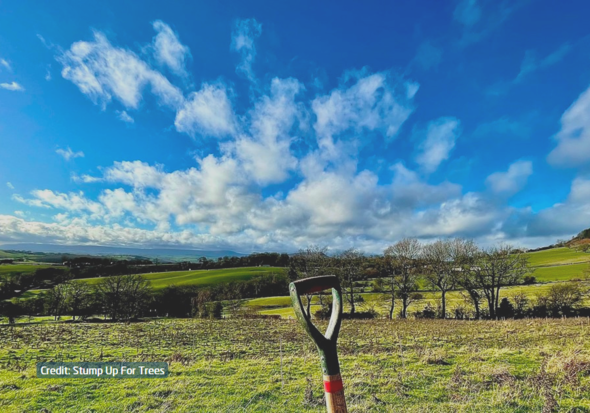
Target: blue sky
(272, 126)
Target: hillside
(161, 253)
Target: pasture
(161, 280)
(271, 365)
(9, 269)
(557, 256)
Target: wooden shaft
(334, 391)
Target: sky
(272, 126)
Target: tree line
(128, 297)
(444, 265)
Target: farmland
(235, 365)
(201, 277)
(557, 256)
(9, 269)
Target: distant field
(380, 301)
(6, 269)
(556, 256)
(560, 272)
(161, 280)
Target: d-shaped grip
(326, 343)
(314, 284)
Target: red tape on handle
(333, 386)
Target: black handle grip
(314, 284)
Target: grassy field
(8, 269)
(556, 256)
(161, 280)
(264, 365)
(380, 302)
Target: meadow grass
(161, 280)
(270, 365)
(556, 256)
(9, 269)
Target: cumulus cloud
(168, 50)
(573, 139)
(124, 116)
(69, 154)
(207, 112)
(15, 87)
(563, 219)
(102, 72)
(9, 185)
(243, 41)
(364, 102)
(437, 143)
(513, 180)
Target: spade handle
(325, 343)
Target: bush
(529, 279)
(428, 312)
(506, 309)
(460, 313)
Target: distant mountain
(162, 253)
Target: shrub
(428, 312)
(506, 309)
(529, 279)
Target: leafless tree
(312, 261)
(404, 259)
(77, 294)
(438, 258)
(497, 267)
(464, 255)
(349, 267)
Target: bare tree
(77, 296)
(464, 255)
(438, 258)
(309, 262)
(124, 296)
(349, 267)
(57, 300)
(404, 259)
(498, 267)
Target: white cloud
(102, 71)
(573, 139)
(12, 86)
(4, 62)
(243, 36)
(513, 180)
(563, 219)
(168, 50)
(68, 154)
(8, 184)
(207, 112)
(124, 116)
(437, 143)
(364, 102)
(266, 154)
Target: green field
(8, 269)
(271, 366)
(161, 280)
(556, 256)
